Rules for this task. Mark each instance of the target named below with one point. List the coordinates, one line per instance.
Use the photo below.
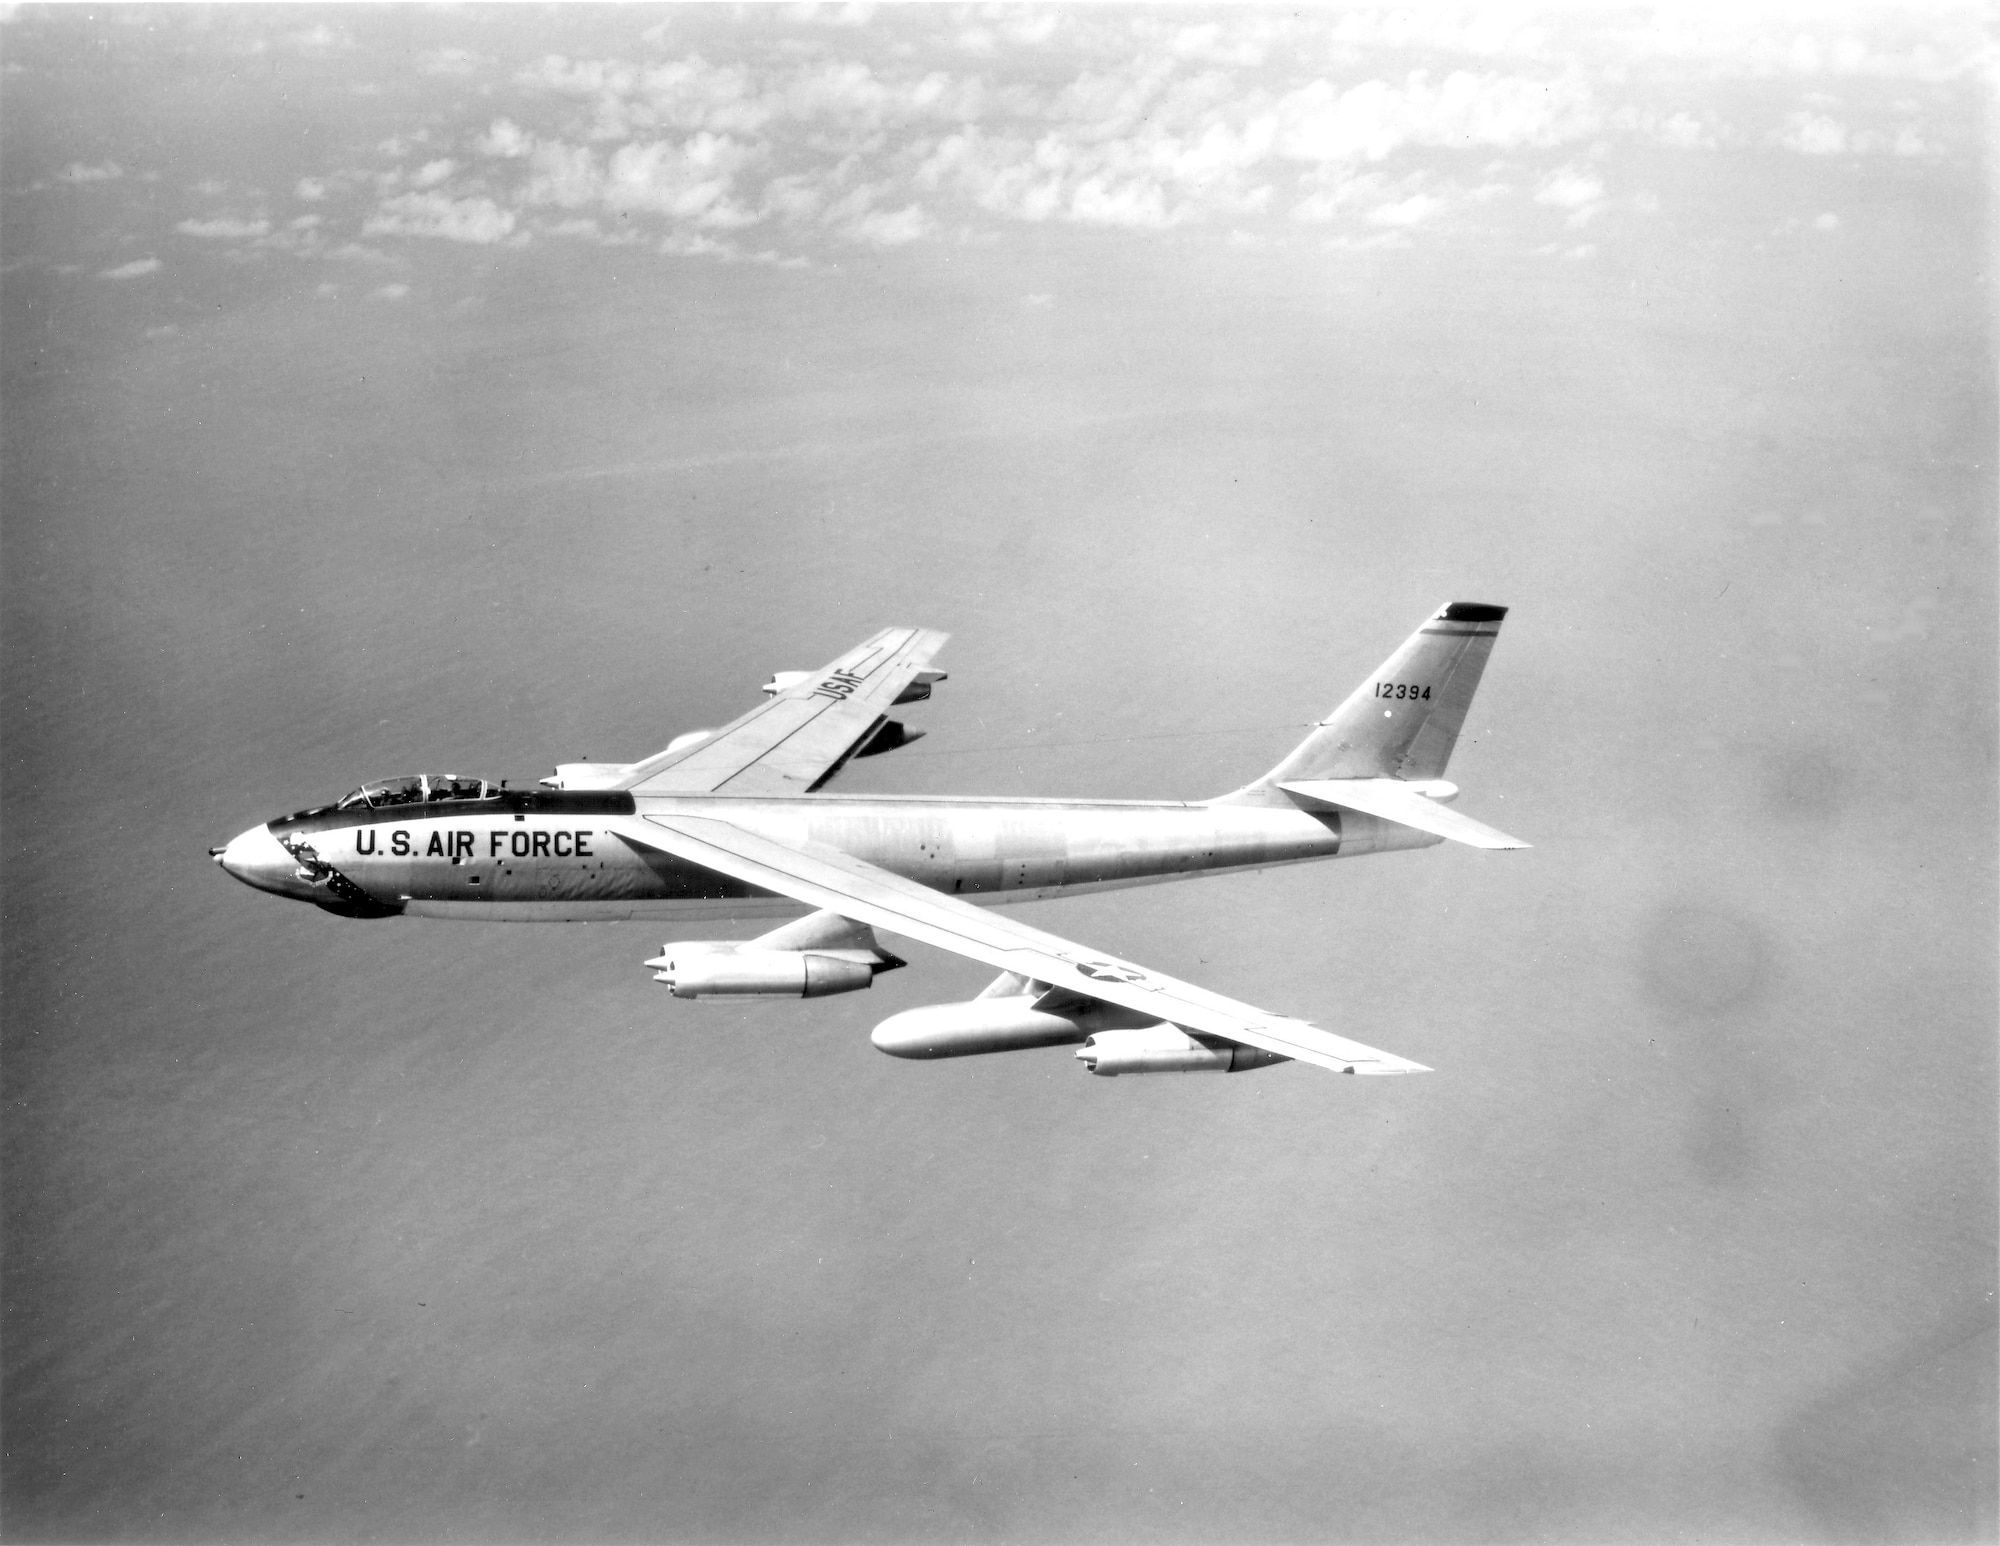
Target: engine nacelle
(819, 954)
(889, 735)
(919, 688)
(726, 969)
(1167, 1049)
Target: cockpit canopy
(419, 789)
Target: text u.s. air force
(518, 842)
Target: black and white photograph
(681, 683)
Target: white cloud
(1162, 126)
(883, 229)
(476, 220)
(505, 140)
(1487, 30)
(390, 292)
(138, 268)
(356, 252)
(691, 180)
(587, 77)
(1684, 131)
(1367, 243)
(566, 175)
(583, 228)
(78, 172)
(1370, 121)
(448, 61)
(674, 180)
(1576, 189)
(1826, 222)
(1416, 208)
(310, 190)
(224, 228)
(692, 244)
(1813, 135)
(301, 238)
(1135, 201)
(1139, 120)
(1026, 26)
(1570, 188)
(1209, 43)
(1918, 43)
(855, 13)
(321, 39)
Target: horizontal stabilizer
(1394, 800)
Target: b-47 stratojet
(735, 823)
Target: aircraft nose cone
(258, 859)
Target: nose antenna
(217, 852)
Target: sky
(473, 389)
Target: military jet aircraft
(733, 823)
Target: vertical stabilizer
(1404, 720)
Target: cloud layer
(805, 134)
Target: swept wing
(803, 735)
(827, 878)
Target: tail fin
(1404, 720)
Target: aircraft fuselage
(557, 856)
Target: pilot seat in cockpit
(418, 789)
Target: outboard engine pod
(1167, 1049)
